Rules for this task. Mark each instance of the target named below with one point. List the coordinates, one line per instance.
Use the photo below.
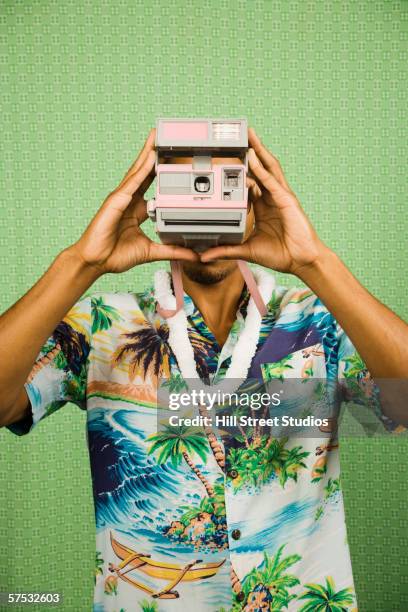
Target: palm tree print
(214, 504)
(319, 468)
(148, 350)
(244, 435)
(203, 350)
(357, 377)
(333, 485)
(325, 599)
(277, 369)
(67, 349)
(73, 344)
(175, 384)
(257, 464)
(319, 513)
(103, 315)
(355, 366)
(292, 462)
(330, 490)
(74, 386)
(270, 318)
(179, 442)
(267, 586)
(203, 525)
(216, 448)
(274, 302)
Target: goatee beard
(205, 275)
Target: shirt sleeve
(59, 374)
(357, 385)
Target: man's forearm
(26, 325)
(379, 335)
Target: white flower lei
(180, 344)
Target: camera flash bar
(202, 135)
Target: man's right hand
(113, 241)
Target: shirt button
(236, 534)
(240, 596)
(233, 474)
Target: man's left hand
(283, 237)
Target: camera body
(200, 204)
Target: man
(186, 518)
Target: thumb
(161, 252)
(227, 251)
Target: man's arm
(26, 325)
(284, 240)
(112, 242)
(378, 334)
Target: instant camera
(200, 204)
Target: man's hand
(113, 240)
(283, 238)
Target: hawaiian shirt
(186, 520)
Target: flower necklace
(180, 344)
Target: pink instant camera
(200, 204)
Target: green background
(81, 83)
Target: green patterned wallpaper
(81, 82)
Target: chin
(208, 273)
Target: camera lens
(202, 184)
